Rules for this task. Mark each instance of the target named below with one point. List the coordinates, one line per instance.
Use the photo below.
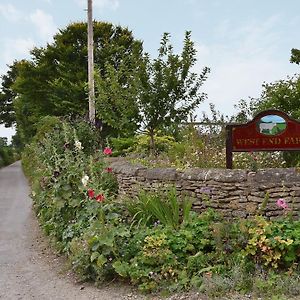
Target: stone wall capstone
(233, 193)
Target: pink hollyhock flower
(108, 170)
(100, 198)
(91, 193)
(281, 203)
(107, 151)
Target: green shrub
(166, 208)
(274, 244)
(8, 154)
(203, 149)
(57, 166)
(123, 146)
(162, 143)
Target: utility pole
(91, 83)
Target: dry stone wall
(233, 193)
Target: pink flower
(91, 193)
(108, 170)
(281, 203)
(107, 151)
(100, 198)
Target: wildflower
(66, 145)
(281, 203)
(254, 157)
(108, 170)
(156, 223)
(56, 173)
(100, 198)
(78, 145)
(91, 193)
(205, 190)
(85, 180)
(107, 151)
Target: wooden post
(229, 147)
(91, 83)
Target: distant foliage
(8, 154)
(295, 57)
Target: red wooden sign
(270, 130)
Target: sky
(244, 42)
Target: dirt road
(28, 269)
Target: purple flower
(281, 203)
(205, 190)
(156, 223)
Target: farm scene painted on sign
(271, 125)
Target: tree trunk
(152, 143)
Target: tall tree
(168, 90)
(53, 81)
(7, 96)
(117, 93)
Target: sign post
(270, 130)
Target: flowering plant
(107, 151)
(282, 203)
(85, 180)
(272, 244)
(100, 198)
(91, 193)
(78, 145)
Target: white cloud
(100, 4)
(44, 24)
(10, 13)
